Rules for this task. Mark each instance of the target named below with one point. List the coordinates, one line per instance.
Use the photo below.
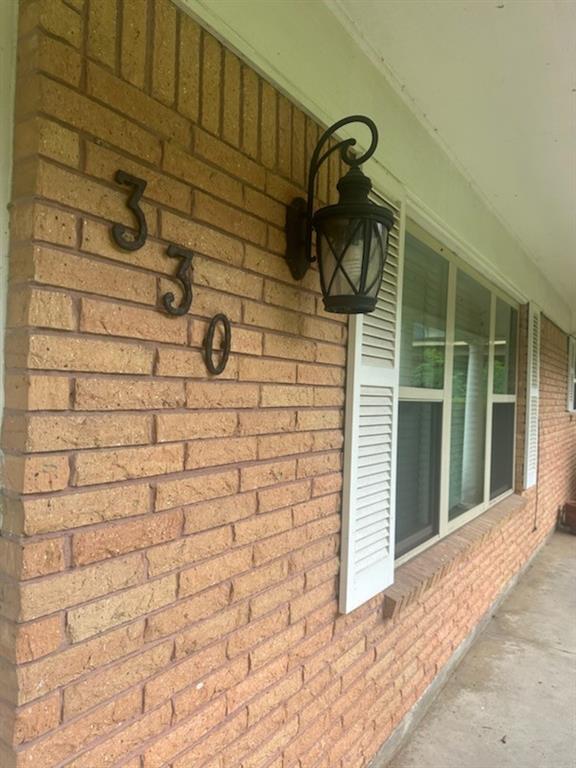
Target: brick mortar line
(149, 645)
(141, 555)
(43, 495)
(149, 129)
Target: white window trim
(445, 525)
(571, 405)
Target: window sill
(423, 571)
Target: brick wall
(170, 540)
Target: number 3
(119, 230)
(183, 275)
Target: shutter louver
(367, 566)
(532, 398)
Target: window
(457, 397)
(503, 400)
(430, 409)
(571, 374)
(422, 375)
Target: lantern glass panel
(351, 258)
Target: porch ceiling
(495, 83)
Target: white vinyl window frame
(571, 405)
(444, 395)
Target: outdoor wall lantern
(351, 236)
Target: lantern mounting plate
(296, 257)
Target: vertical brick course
(170, 544)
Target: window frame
(444, 395)
(571, 403)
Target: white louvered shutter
(571, 373)
(532, 398)
(367, 554)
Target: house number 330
(133, 240)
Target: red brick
(209, 453)
(133, 50)
(219, 681)
(87, 115)
(182, 674)
(258, 579)
(214, 394)
(102, 32)
(60, 591)
(213, 628)
(37, 719)
(214, 571)
(115, 747)
(38, 638)
(250, 112)
(122, 537)
(125, 394)
(189, 549)
(276, 646)
(264, 474)
(211, 83)
(116, 609)
(75, 661)
(283, 496)
(85, 354)
(36, 474)
(189, 67)
(126, 463)
(187, 732)
(67, 270)
(186, 612)
(64, 511)
(201, 238)
(80, 733)
(225, 157)
(189, 489)
(37, 392)
(274, 696)
(164, 52)
(41, 558)
(57, 433)
(211, 514)
(277, 596)
(261, 526)
(103, 86)
(262, 422)
(112, 680)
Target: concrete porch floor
(511, 703)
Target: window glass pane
(469, 392)
(423, 316)
(505, 349)
(502, 463)
(418, 473)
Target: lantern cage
(351, 236)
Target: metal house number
(217, 368)
(129, 241)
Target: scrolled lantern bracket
(357, 211)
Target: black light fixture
(351, 236)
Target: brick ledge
(425, 570)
